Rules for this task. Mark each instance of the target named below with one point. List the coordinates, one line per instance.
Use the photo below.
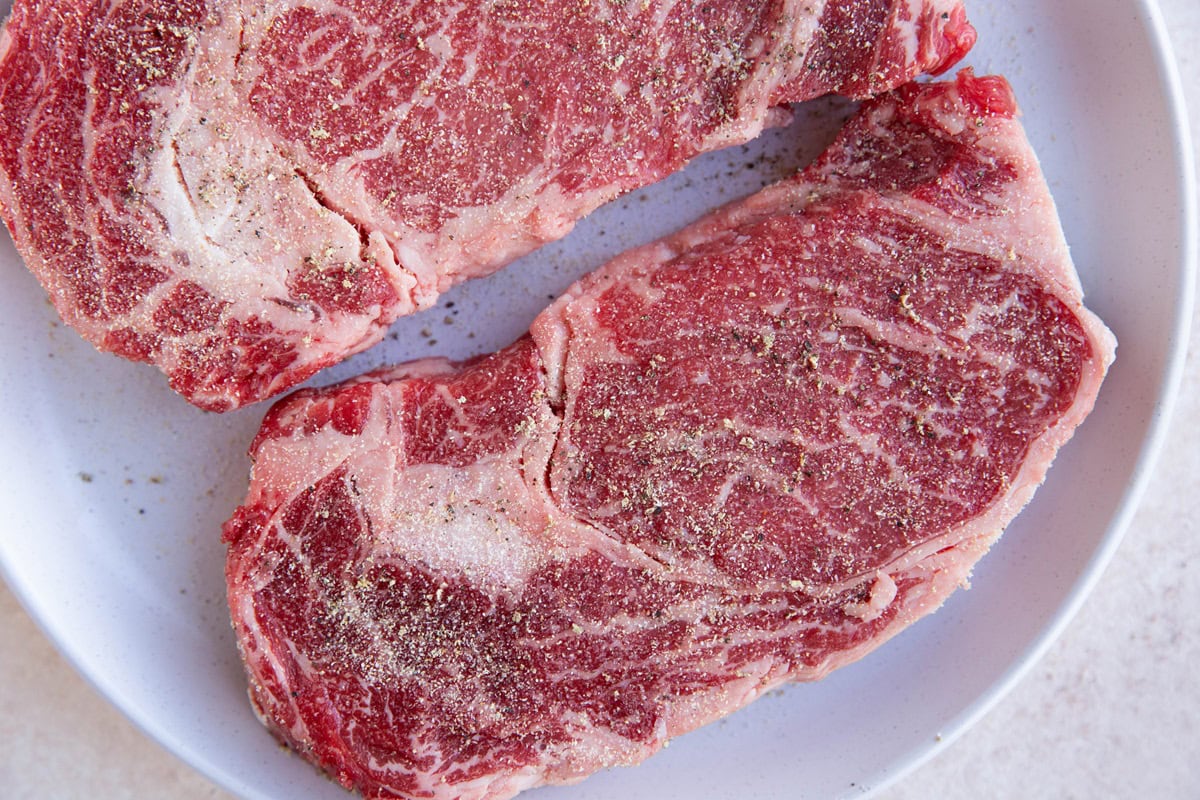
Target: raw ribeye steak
(746, 454)
(243, 193)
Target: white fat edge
(429, 368)
(264, 662)
(566, 330)
(479, 244)
(688, 713)
(589, 341)
(937, 576)
(762, 205)
(590, 747)
(881, 594)
(499, 785)
(633, 270)
(978, 532)
(552, 336)
(749, 123)
(284, 467)
(503, 782)
(533, 212)
(1044, 448)
(475, 240)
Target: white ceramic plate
(114, 489)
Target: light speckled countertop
(1125, 667)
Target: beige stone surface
(1112, 711)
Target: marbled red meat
(744, 455)
(243, 193)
